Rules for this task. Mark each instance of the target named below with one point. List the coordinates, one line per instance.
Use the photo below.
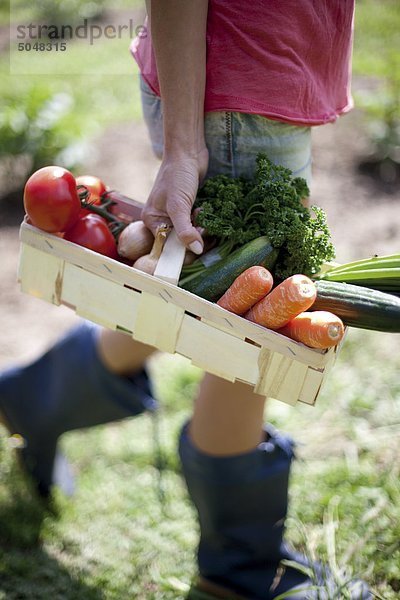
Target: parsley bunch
(238, 210)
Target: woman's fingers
(180, 211)
(179, 216)
(172, 198)
(153, 218)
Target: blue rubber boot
(65, 389)
(242, 503)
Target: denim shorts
(234, 139)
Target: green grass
(128, 533)
(15, 11)
(376, 38)
(376, 65)
(98, 99)
(109, 96)
(100, 82)
(21, 12)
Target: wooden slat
(275, 376)
(287, 388)
(99, 300)
(315, 377)
(270, 364)
(158, 322)
(40, 274)
(311, 387)
(225, 326)
(280, 377)
(217, 352)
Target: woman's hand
(173, 194)
(178, 30)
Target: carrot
(317, 329)
(291, 297)
(247, 289)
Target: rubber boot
(242, 504)
(65, 389)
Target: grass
(100, 83)
(376, 66)
(17, 11)
(376, 38)
(128, 533)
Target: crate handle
(170, 263)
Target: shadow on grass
(27, 571)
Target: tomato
(95, 186)
(91, 231)
(51, 200)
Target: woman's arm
(178, 29)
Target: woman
(234, 81)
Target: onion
(135, 240)
(148, 262)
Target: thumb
(186, 232)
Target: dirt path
(364, 220)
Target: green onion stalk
(377, 272)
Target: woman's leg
(227, 418)
(120, 353)
(236, 469)
(88, 377)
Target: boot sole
(205, 590)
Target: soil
(364, 217)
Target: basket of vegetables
(261, 305)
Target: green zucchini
(215, 280)
(359, 306)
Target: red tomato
(51, 200)
(91, 231)
(95, 186)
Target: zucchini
(359, 306)
(215, 280)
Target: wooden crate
(152, 309)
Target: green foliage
(54, 120)
(37, 124)
(376, 38)
(239, 211)
(377, 57)
(52, 12)
(59, 12)
(67, 12)
(49, 117)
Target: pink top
(286, 60)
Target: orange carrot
(247, 289)
(318, 329)
(291, 297)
